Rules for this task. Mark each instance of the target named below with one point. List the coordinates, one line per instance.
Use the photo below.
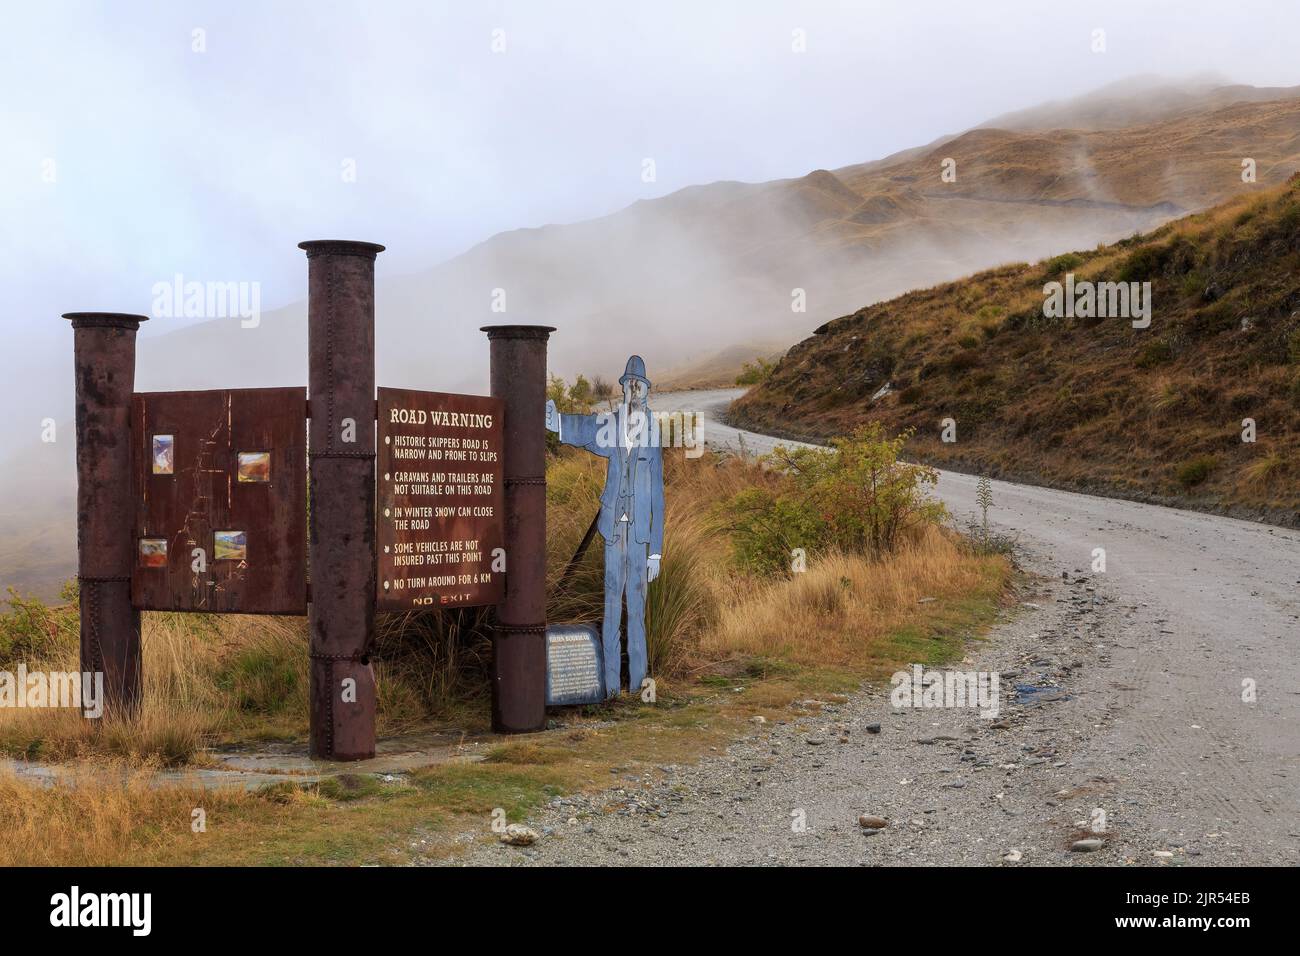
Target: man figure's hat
(635, 369)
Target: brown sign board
(220, 484)
(440, 501)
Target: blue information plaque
(574, 673)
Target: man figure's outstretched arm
(581, 431)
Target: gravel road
(1126, 719)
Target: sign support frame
(341, 469)
(518, 377)
(341, 536)
(104, 358)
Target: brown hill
(1134, 101)
(1087, 403)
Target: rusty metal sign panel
(220, 484)
(441, 500)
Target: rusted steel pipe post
(518, 377)
(104, 350)
(341, 529)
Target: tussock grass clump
(1268, 468)
(99, 818)
(844, 609)
(210, 678)
(204, 677)
(1194, 472)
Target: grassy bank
(717, 623)
(1086, 403)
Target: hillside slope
(1089, 403)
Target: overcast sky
(214, 164)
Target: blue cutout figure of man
(631, 518)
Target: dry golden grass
(162, 734)
(211, 679)
(102, 817)
(181, 707)
(205, 679)
(845, 610)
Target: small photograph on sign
(163, 455)
(254, 466)
(230, 545)
(153, 552)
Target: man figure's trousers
(625, 574)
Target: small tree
(752, 373)
(575, 399)
(602, 390)
(861, 491)
(581, 393)
(856, 496)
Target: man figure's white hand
(552, 417)
(652, 568)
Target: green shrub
(766, 528)
(263, 678)
(1063, 263)
(34, 631)
(963, 361)
(855, 497)
(1155, 353)
(1194, 284)
(576, 399)
(752, 373)
(1194, 472)
(860, 490)
(1293, 347)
